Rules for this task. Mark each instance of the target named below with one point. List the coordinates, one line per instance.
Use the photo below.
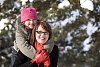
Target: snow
(86, 44)
(62, 23)
(24, 1)
(91, 28)
(17, 5)
(98, 8)
(88, 4)
(74, 13)
(69, 38)
(2, 23)
(1, 1)
(64, 3)
(67, 48)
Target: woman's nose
(42, 34)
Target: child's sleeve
(49, 45)
(24, 46)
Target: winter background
(75, 24)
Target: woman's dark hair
(45, 25)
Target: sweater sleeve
(49, 45)
(23, 45)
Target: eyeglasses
(40, 32)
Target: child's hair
(28, 13)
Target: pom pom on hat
(28, 13)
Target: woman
(41, 34)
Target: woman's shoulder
(55, 48)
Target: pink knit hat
(28, 13)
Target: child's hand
(41, 56)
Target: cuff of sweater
(32, 61)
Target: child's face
(29, 24)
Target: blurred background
(75, 24)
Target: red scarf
(39, 47)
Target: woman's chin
(42, 42)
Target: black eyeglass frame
(40, 32)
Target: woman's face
(41, 35)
